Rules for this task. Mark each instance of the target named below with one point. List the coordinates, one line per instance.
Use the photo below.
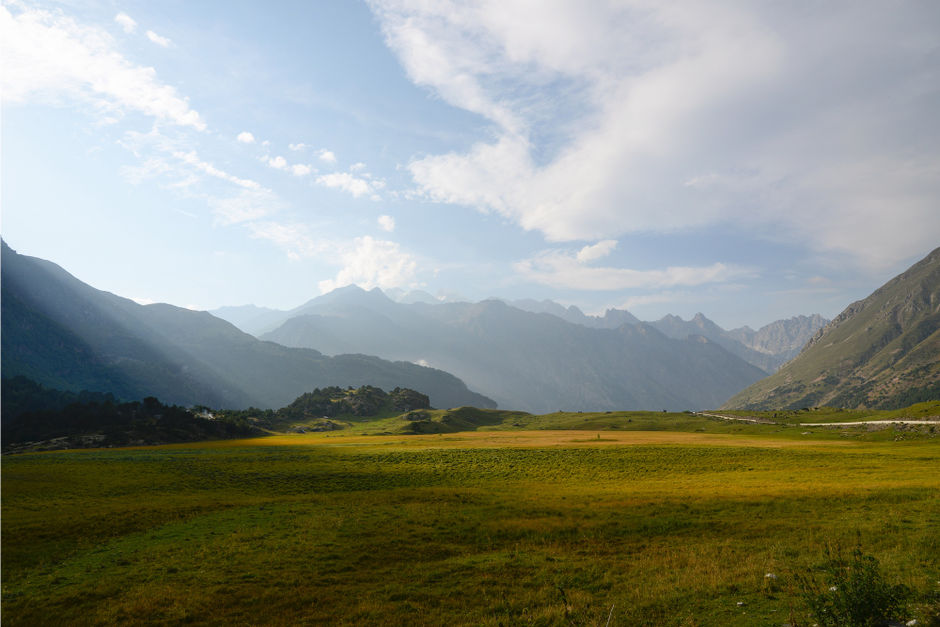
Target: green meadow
(631, 519)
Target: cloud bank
(814, 124)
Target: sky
(751, 161)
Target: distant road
(872, 422)
(766, 421)
(760, 421)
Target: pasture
(496, 527)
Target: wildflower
(770, 576)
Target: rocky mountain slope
(881, 352)
(767, 348)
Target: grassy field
(672, 524)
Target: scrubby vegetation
(106, 423)
(39, 418)
(852, 592)
(366, 401)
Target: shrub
(852, 592)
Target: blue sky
(751, 161)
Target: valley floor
(488, 527)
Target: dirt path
(760, 421)
(871, 422)
(766, 421)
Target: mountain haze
(768, 348)
(782, 339)
(881, 352)
(64, 334)
(534, 362)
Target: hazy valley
(407, 313)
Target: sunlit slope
(880, 352)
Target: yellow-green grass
(488, 527)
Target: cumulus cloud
(386, 223)
(278, 163)
(296, 147)
(369, 263)
(561, 269)
(246, 138)
(126, 21)
(157, 39)
(346, 182)
(50, 57)
(327, 156)
(812, 126)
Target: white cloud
(372, 263)
(386, 223)
(157, 39)
(192, 159)
(296, 147)
(327, 156)
(346, 182)
(566, 270)
(356, 167)
(597, 251)
(126, 22)
(278, 163)
(52, 58)
(811, 126)
(246, 138)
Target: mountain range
(881, 352)
(535, 362)
(535, 356)
(66, 335)
(768, 348)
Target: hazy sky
(750, 160)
